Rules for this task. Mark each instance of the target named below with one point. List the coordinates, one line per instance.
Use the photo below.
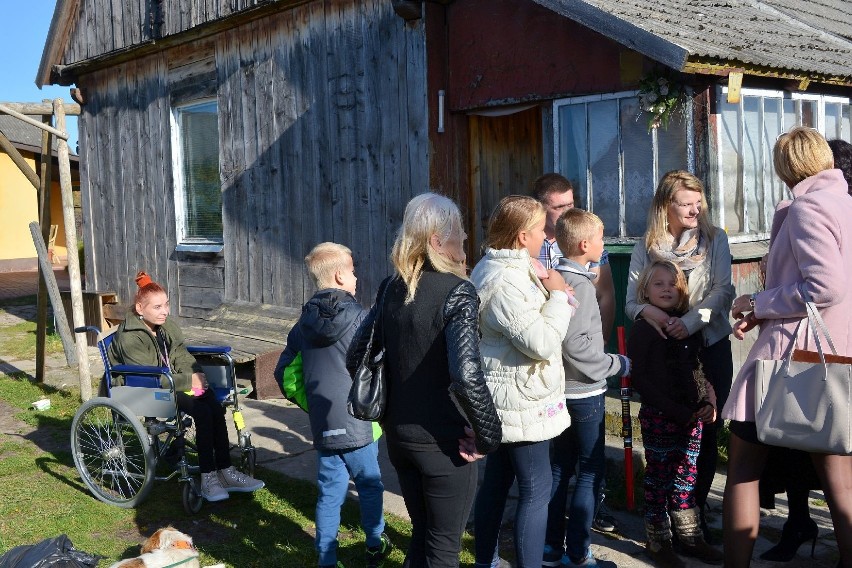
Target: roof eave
(57, 38)
(704, 65)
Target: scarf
(689, 252)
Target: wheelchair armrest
(140, 370)
(212, 349)
(86, 328)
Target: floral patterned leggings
(671, 452)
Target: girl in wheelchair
(149, 337)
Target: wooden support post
(18, 160)
(73, 259)
(61, 134)
(55, 298)
(45, 171)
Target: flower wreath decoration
(660, 97)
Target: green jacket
(135, 345)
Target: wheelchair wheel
(112, 452)
(192, 499)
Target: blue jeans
(583, 445)
(530, 463)
(334, 469)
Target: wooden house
(220, 140)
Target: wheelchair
(133, 434)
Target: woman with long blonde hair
(439, 417)
(679, 230)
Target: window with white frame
(198, 186)
(603, 146)
(748, 188)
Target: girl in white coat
(523, 320)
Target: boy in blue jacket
(312, 373)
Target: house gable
(86, 34)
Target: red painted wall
(505, 51)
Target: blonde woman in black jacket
(440, 417)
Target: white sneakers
(211, 487)
(234, 481)
(216, 485)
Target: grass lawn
(44, 497)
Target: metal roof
(832, 16)
(777, 34)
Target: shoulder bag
(803, 402)
(368, 393)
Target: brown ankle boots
(692, 543)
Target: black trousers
(438, 487)
(211, 432)
(717, 362)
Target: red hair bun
(142, 279)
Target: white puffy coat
(522, 327)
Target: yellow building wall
(19, 208)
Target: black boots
(793, 535)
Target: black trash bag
(57, 552)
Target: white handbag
(805, 405)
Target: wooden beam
(73, 259)
(42, 108)
(45, 169)
(29, 120)
(18, 160)
(408, 9)
(55, 298)
(78, 96)
(735, 84)
(708, 66)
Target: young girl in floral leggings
(676, 401)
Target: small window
(198, 185)
(604, 147)
(748, 187)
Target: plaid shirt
(550, 254)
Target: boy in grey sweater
(579, 235)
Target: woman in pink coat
(811, 251)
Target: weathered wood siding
(127, 195)
(322, 130)
(103, 26)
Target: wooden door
(505, 158)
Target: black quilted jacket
(434, 372)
